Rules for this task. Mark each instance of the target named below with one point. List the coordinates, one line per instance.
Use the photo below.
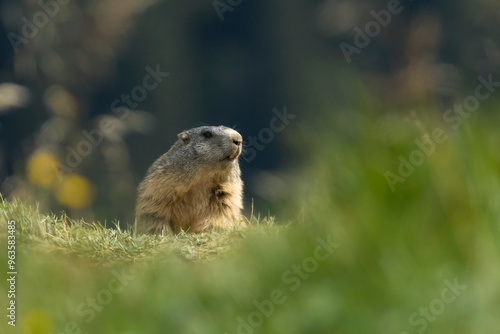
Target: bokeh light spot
(38, 322)
(41, 169)
(76, 192)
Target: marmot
(194, 187)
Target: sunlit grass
(51, 232)
(397, 249)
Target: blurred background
(68, 66)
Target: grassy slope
(105, 246)
(396, 251)
(58, 257)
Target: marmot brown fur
(194, 187)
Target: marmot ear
(184, 137)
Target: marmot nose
(237, 139)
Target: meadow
(373, 237)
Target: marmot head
(215, 146)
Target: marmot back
(194, 187)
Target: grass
(107, 246)
(397, 251)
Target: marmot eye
(207, 134)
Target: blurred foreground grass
(359, 258)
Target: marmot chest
(219, 197)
